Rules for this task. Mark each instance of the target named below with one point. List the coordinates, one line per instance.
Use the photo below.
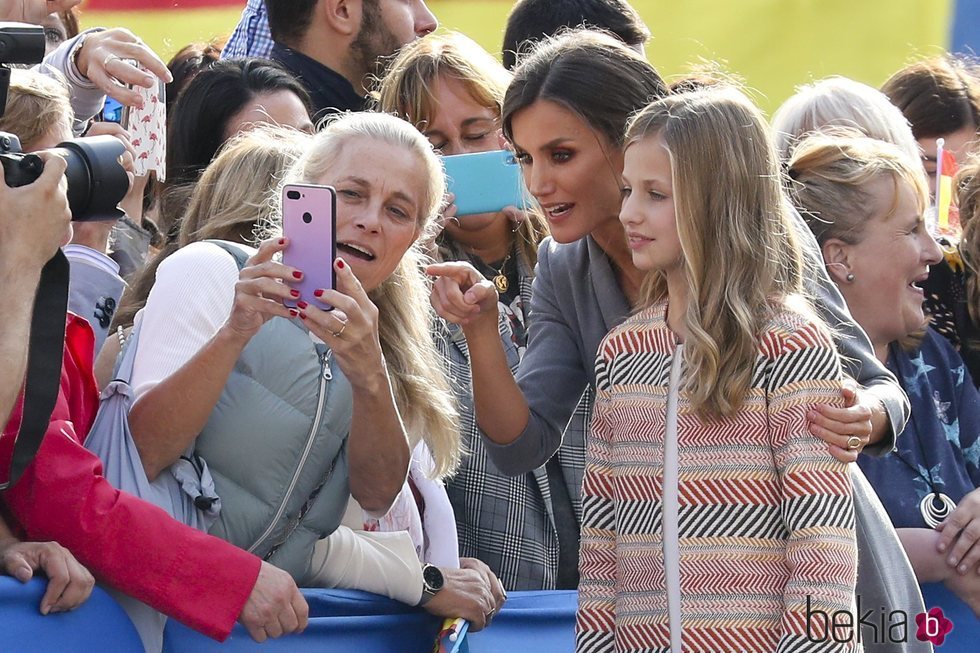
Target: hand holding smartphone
(309, 221)
(485, 182)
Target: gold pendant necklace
(500, 281)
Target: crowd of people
(717, 374)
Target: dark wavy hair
(937, 96)
(200, 117)
(591, 74)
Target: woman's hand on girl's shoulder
(846, 429)
(350, 329)
(260, 291)
(461, 295)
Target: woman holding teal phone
(451, 90)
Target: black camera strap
(44, 360)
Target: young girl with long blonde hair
(712, 520)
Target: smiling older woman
(864, 200)
(291, 407)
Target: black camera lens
(292, 194)
(96, 180)
(307, 218)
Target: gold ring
(337, 334)
(854, 443)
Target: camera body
(18, 169)
(97, 182)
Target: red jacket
(198, 579)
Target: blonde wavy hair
(829, 176)
(742, 261)
(232, 198)
(406, 91)
(422, 391)
(36, 104)
(236, 192)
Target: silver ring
(854, 443)
(489, 615)
(109, 57)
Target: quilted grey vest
(276, 444)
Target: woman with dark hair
(220, 102)
(569, 139)
(189, 61)
(940, 97)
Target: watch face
(432, 577)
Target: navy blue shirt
(330, 92)
(940, 439)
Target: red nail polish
(340, 264)
(294, 293)
(293, 312)
(282, 241)
(318, 292)
(297, 274)
(302, 315)
(302, 304)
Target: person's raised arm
(97, 63)
(462, 295)
(203, 345)
(34, 223)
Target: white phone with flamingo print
(147, 127)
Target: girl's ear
(836, 256)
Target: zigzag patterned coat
(762, 516)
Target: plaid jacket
(506, 521)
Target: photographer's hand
(35, 219)
(102, 60)
(34, 223)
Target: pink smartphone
(309, 221)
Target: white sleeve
(382, 563)
(190, 300)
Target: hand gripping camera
(96, 180)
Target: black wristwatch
(432, 582)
